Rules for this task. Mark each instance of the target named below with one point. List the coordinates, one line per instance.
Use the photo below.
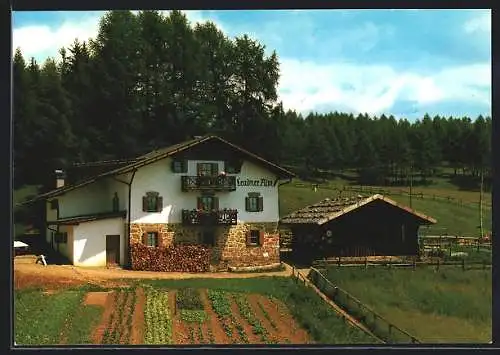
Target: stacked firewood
(178, 258)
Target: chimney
(60, 176)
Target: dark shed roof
(329, 209)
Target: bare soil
(109, 309)
(96, 298)
(63, 276)
(283, 320)
(213, 323)
(240, 319)
(137, 332)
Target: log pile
(178, 258)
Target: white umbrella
(18, 244)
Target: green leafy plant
(157, 318)
(189, 298)
(246, 311)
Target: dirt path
(109, 308)
(137, 331)
(27, 274)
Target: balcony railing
(209, 218)
(219, 183)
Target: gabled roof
(329, 209)
(157, 155)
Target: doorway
(112, 250)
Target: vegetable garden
(200, 311)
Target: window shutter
(215, 203)
(159, 204)
(261, 238)
(247, 203)
(260, 204)
(145, 238)
(144, 203)
(248, 234)
(173, 166)
(184, 166)
(215, 169)
(199, 205)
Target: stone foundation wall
(230, 247)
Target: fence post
(437, 265)
(338, 261)
(366, 262)
(463, 264)
(414, 263)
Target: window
(254, 202)
(61, 237)
(54, 204)
(208, 169)
(179, 166)
(232, 167)
(255, 237)
(152, 202)
(152, 239)
(208, 203)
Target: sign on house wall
(262, 182)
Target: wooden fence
(395, 262)
(371, 190)
(377, 324)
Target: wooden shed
(355, 226)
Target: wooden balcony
(217, 183)
(209, 218)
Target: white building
(205, 191)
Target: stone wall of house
(230, 248)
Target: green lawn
(48, 319)
(448, 306)
(452, 218)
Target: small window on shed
(61, 237)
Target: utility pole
(411, 182)
(481, 205)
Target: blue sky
(400, 62)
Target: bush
(179, 258)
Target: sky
(398, 62)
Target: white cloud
(479, 23)
(43, 41)
(374, 89)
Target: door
(112, 250)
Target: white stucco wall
(90, 241)
(66, 249)
(159, 177)
(93, 198)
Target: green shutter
(247, 204)
(260, 204)
(159, 204)
(215, 203)
(184, 166)
(144, 203)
